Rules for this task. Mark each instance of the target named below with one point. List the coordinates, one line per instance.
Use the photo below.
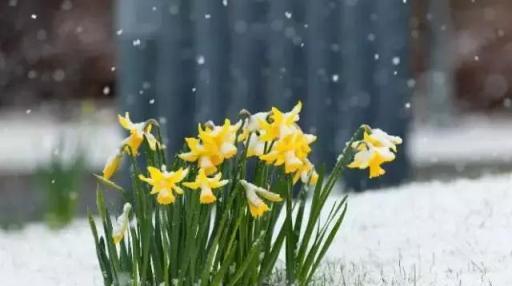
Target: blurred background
(438, 73)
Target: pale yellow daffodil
(257, 207)
(251, 134)
(371, 157)
(207, 185)
(137, 133)
(307, 174)
(379, 138)
(121, 225)
(255, 146)
(165, 183)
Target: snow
(455, 233)
(474, 139)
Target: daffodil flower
(121, 225)
(112, 165)
(251, 130)
(255, 146)
(206, 184)
(281, 125)
(369, 156)
(223, 137)
(291, 151)
(213, 145)
(379, 138)
(257, 207)
(207, 157)
(137, 133)
(165, 183)
(307, 173)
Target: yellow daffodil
(291, 151)
(165, 183)
(137, 133)
(223, 137)
(215, 144)
(369, 156)
(379, 138)
(207, 157)
(121, 225)
(206, 185)
(281, 124)
(257, 207)
(307, 173)
(112, 165)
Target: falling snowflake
(200, 60)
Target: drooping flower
(251, 134)
(112, 165)
(213, 145)
(257, 207)
(371, 157)
(379, 138)
(375, 149)
(121, 225)
(292, 150)
(137, 133)
(165, 183)
(207, 185)
(307, 173)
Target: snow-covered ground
(456, 233)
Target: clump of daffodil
(165, 183)
(121, 225)
(214, 244)
(207, 185)
(257, 207)
(375, 149)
